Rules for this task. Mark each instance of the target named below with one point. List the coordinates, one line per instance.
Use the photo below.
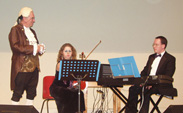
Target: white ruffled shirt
(32, 39)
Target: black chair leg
(156, 104)
(47, 107)
(46, 100)
(42, 106)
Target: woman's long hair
(60, 53)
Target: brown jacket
(20, 47)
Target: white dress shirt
(155, 64)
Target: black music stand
(87, 70)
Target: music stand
(87, 70)
(124, 67)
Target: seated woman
(65, 95)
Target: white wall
(48, 61)
(119, 24)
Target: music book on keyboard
(124, 67)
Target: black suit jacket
(165, 67)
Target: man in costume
(25, 62)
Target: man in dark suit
(159, 63)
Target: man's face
(158, 46)
(30, 20)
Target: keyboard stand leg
(120, 96)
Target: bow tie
(157, 55)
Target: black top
(60, 82)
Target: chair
(161, 96)
(155, 104)
(47, 81)
(170, 93)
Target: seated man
(159, 63)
